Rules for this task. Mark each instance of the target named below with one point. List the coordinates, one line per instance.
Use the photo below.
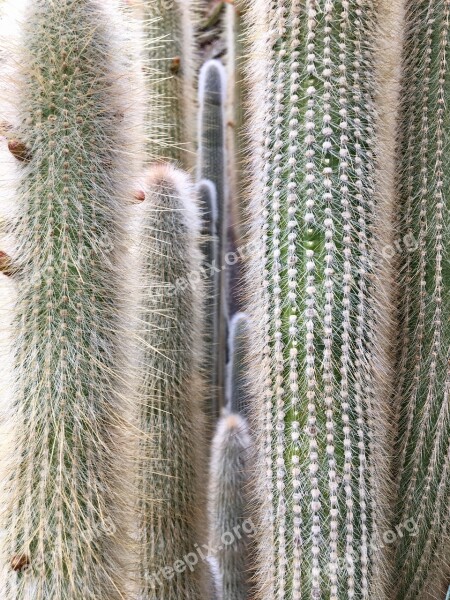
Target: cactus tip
(213, 77)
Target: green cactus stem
(235, 111)
(310, 300)
(173, 498)
(67, 71)
(211, 165)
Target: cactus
(311, 174)
(237, 393)
(112, 347)
(171, 66)
(211, 131)
(173, 503)
(211, 165)
(67, 71)
(235, 138)
(228, 506)
(207, 195)
(235, 109)
(423, 451)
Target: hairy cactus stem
(172, 502)
(66, 490)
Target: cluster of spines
(313, 308)
(422, 466)
(172, 496)
(65, 83)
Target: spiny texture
(238, 342)
(319, 487)
(173, 504)
(170, 61)
(66, 73)
(228, 506)
(207, 196)
(215, 577)
(386, 250)
(235, 110)
(211, 132)
(211, 164)
(423, 465)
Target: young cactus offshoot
(238, 347)
(207, 196)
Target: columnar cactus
(172, 512)
(111, 348)
(207, 197)
(423, 465)
(211, 133)
(238, 342)
(76, 141)
(228, 506)
(169, 26)
(211, 165)
(311, 300)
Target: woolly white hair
(67, 394)
(387, 41)
(172, 496)
(228, 504)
